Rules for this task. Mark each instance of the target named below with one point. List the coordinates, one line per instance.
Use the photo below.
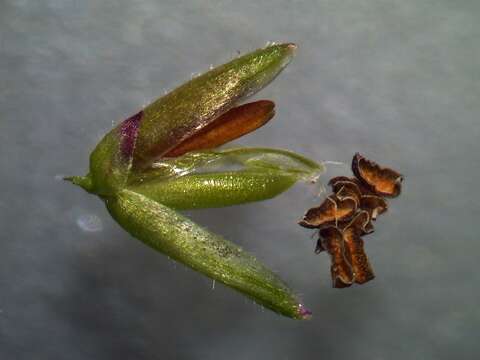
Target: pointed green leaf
(178, 237)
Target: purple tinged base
(128, 134)
(304, 313)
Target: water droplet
(89, 223)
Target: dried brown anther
(347, 215)
(383, 181)
(362, 269)
(332, 210)
(341, 269)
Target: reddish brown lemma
(383, 181)
(235, 123)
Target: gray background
(396, 80)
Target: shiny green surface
(274, 159)
(181, 239)
(195, 104)
(187, 109)
(253, 158)
(108, 172)
(265, 173)
(216, 189)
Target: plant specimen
(165, 158)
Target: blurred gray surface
(396, 80)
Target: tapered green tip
(85, 182)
